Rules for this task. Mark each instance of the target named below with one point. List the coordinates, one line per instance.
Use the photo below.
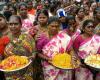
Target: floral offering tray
(14, 63)
(62, 61)
(93, 61)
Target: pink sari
(28, 23)
(87, 47)
(73, 35)
(60, 43)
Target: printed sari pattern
(23, 46)
(60, 43)
(87, 47)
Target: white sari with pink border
(59, 43)
(89, 46)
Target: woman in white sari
(58, 43)
(86, 44)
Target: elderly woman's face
(53, 27)
(89, 28)
(14, 25)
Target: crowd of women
(28, 31)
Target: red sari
(3, 42)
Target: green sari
(24, 45)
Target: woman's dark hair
(71, 17)
(53, 19)
(18, 17)
(35, 23)
(22, 4)
(54, 6)
(85, 23)
(1, 15)
(14, 8)
(7, 14)
(79, 10)
(27, 1)
(44, 11)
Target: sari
(86, 47)
(40, 43)
(24, 45)
(3, 42)
(59, 43)
(89, 46)
(28, 23)
(73, 35)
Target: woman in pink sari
(58, 42)
(41, 38)
(86, 44)
(27, 19)
(44, 37)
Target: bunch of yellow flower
(13, 62)
(93, 60)
(62, 60)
